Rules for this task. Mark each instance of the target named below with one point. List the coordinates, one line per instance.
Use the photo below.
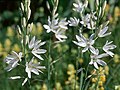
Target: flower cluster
(57, 26)
(90, 21)
(31, 47)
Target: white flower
(85, 20)
(109, 46)
(89, 20)
(12, 60)
(91, 25)
(102, 33)
(96, 59)
(63, 24)
(35, 45)
(33, 67)
(78, 6)
(52, 25)
(86, 43)
(73, 21)
(60, 35)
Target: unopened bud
(24, 22)
(29, 13)
(22, 7)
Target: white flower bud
(19, 30)
(22, 7)
(24, 22)
(103, 8)
(48, 6)
(29, 13)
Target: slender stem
(49, 60)
(81, 80)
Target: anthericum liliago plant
(88, 19)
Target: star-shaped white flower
(102, 33)
(89, 20)
(12, 60)
(52, 25)
(96, 59)
(60, 35)
(109, 46)
(63, 24)
(32, 67)
(86, 43)
(35, 46)
(78, 6)
(73, 21)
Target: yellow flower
(16, 48)
(44, 87)
(107, 7)
(10, 32)
(39, 28)
(106, 70)
(34, 29)
(71, 67)
(101, 88)
(7, 44)
(58, 86)
(94, 80)
(103, 78)
(100, 83)
(117, 12)
(111, 19)
(71, 77)
(116, 58)
(80, 60)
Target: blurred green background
(66, 52)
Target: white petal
(92, 49)
(46, 26)
(31, 44)
(38, 56)
(24, 81)
(15, 77)
(91, 62)
(85, 49)
(101, 62)
(102, 55)
(95, 65)
(15, 64)
(35, 71)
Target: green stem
(49, 60)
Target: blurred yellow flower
(103, 78)
(94, 80)
(117, 12)
(10, 32)
(80, 60)
(44, 87)
(107, 7)
(58, 86)
(100, 83)
(101, 88)
(106, 70)
(16, 48)
(116, 58)
(39, 28)
(7, 45)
